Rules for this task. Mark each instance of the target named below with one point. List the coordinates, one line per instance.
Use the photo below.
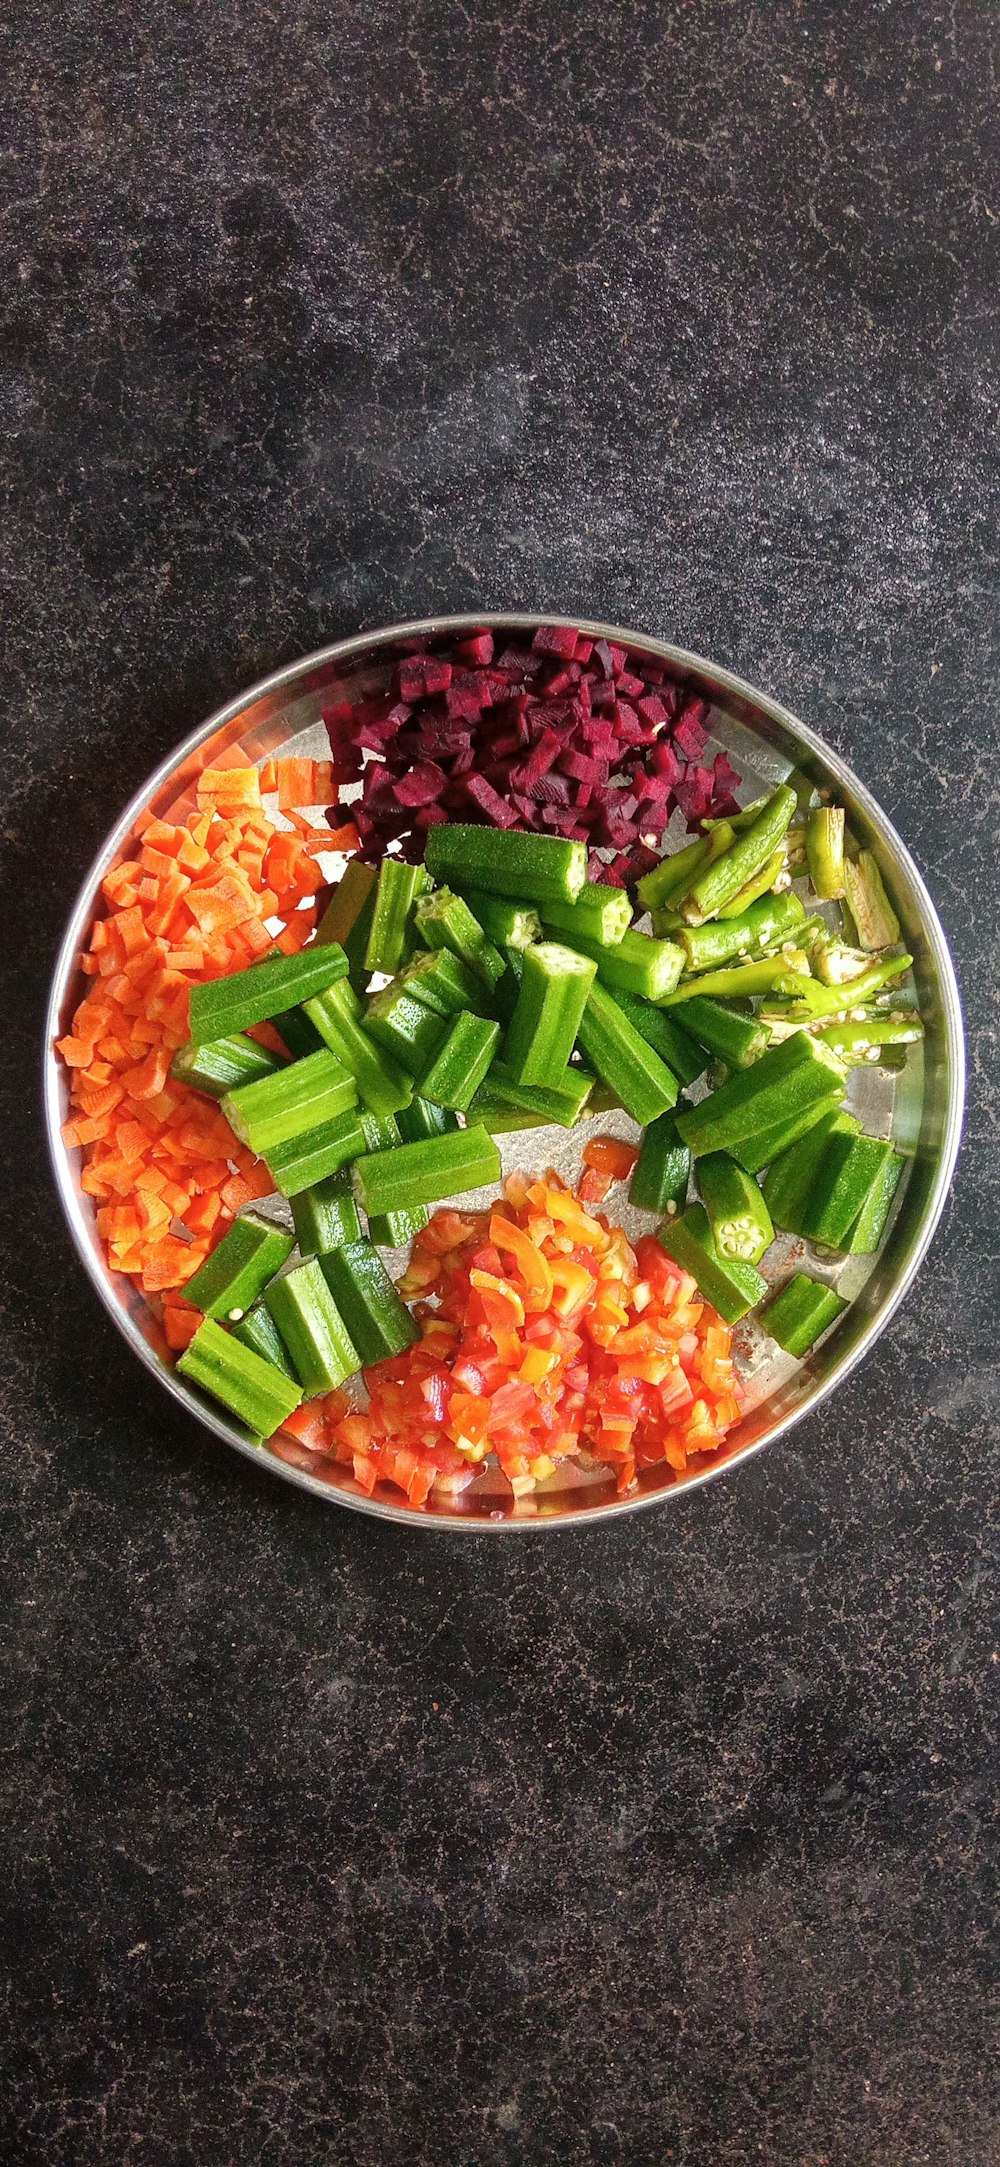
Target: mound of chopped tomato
(544, 1337)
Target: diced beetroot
(652, 710)
(690, 733)
(639, 860)
(490, 804)
(555, 683)
(584, 648)
(604, 658)
(629, 728)
(422, 675)
(463, 702)
(663, 760)
(477, 649)
(582, 770)
(632, 688)
(422, 785)
(430, 816)
(603, 693)
(555, 640)
(724, 775)
(694, 794)
(619, 658)
(516, 661)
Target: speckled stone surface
(671, 1842)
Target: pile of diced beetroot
(572, 736)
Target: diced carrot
(180, 1323)
(345, 837)
(229, 787)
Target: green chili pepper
(864, 1043)
(768, 924)
(760, 884)
(720, 881)
(759, 977)
(825, 850)
(813, 1001)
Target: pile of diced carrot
(161, 1161)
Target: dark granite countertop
(675, 1841)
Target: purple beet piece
(485, 798)
(690, 734)
(422, 785)
(632, 688)
(464, 703)
(555, 640)
(421, 675)
(694, 794)
(476, 649)
(540, 758)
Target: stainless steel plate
(921, 1107)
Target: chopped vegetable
(420, 1119)
(790, 1177)
(766, 925)
(852, 1167)
(530, 868)
(444, 920)
(551, 999)
(240, 1267)
(737, 1214)
(753, 1152)
(254, 1390)
(863, 1237)
(641, 1081)
(801, 1311)
(876, 921)
(390, 935)
(459, 1066)
(383, 1086)
(786, 1079)
(232, 1004)
(443, 982)
(732, 1287)
(379, 1323)
(677, 1049)
(223, 1065)
(312, 1328)
(405, 1026)
(424, 1173)
(300, 1096)
(825, 850)
(562, 1102)
(719, 881)
(636, 963)
(737, 982)
(394, 1229)
(304, 1160)
(603, 914)
(259, 1331)
(347, 919)
(864, 1042)
(325, 1216)
(731, 1037)
(507, 924)
(660, 1181)
(610, 1155)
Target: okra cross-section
(508, 925)
(299, 1096)
(246, 1258)
(737, 1214)
(444, 920)
(232, 1004)
(408, 1030)
(603, 913)
(551, 999)
(504, 861)
(257, 1393)
(424, 1173)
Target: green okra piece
(630, 1066)
(636, 963)
(660, 1179)
(325, 1216)
(732, 1038)
(348, 916)
(825, 850)
(420, 1119)
(761, 884)
(376, 1317)
(444, 983)
(737, 1213)
(507, 988)
(864, 1043)
(676, 1046)
(561, 1103)
(460, 1064)
(755, 1152)
(874, 918)
(506, 924)
(864, 1236)
(313, 1330)
(444, 920)
(383, 1085)
(299, 1096)
(732, 1287)
(552, 995)
(768, 924)
(669, 881)
(850, 1169)
(781, 1083)
(300, 1036)
(812, 1001)
(393, 1229)
(603, 913)
(259, 1331)
(789, 1181)
(224, 1005)
(390, 934)
(504, 861)
(223, 1065)
(801, 1311)
(305, 1160)
(720, 881)
(246, 1258)
(740, 978)
(407, 1029)
(497, 1116)
(427, 1172)
(254, 1390)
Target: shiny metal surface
(923, 1112)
